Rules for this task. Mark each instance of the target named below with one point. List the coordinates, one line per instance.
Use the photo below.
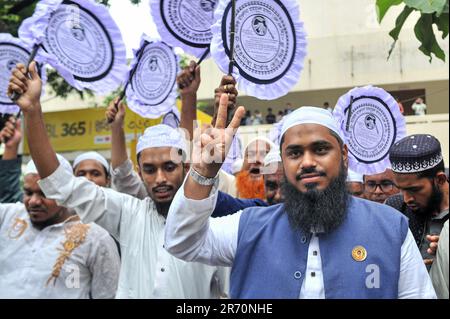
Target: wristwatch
(202, 180)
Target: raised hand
(28, 86)
(11, 134)
(189, 79)
(211, 146)
(115, 116)
(227, 86)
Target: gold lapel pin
(359, 253)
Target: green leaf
(398, 27)
(427, 6)
(442, 23)
(425, 34)
(382, 7)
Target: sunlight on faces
(42, 211)
(162, 171)
(93, 171)
(312, 157)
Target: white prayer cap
(91, 156)
(352, 176)
(261, 138)
(273, 157)
(161, 136)
(311, 115)
(236, 167)
(31, 168)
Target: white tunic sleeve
(125, 180)
(92, 203)
(192, 235)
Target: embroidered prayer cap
(415, 153)
(91, 156)
(237, 166)
(31, 168)
(311, 115)
(161, 136)
(353, 177)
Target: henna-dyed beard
(249, 188)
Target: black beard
(317, 210)
(434, 203)
(163, 208)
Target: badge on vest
(359, 253)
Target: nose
(407, 198)
(160, 177)
(277, 197)
(308, 160)
(35, 200)
(378, 190)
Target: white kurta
(27, 257)
(148, 270)
(192, 235)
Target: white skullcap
(262, 138)
(91, 156)
(354, 177)
(31, 168)
(161, 136)
(311, 115)
(236, 167)
(273, 157)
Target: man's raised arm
(190, 232)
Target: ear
(186, 166)
(345, 155)
(441, 178)
(139, 171)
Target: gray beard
(314, 210)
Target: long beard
(314, 210)
(434, 203)
(249, 188)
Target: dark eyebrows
(322, 143)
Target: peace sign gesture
(211, 146)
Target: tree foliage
(432, 13)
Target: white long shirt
(147, 270)
(28, 255)
(192, 235)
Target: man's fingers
(197, 73)
(432, 238)
(428, 261)
(19, 75)
(33, 71)
(222, 112)
(14, 88)
(227, 79)
(19, 83)
(237, 118)
(21, 67)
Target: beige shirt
(440, 268)
(28, 256)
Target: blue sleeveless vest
(271, 256)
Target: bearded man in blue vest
(321, 243)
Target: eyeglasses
(385, 186)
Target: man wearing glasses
(379, 187)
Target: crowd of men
(287, 219)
